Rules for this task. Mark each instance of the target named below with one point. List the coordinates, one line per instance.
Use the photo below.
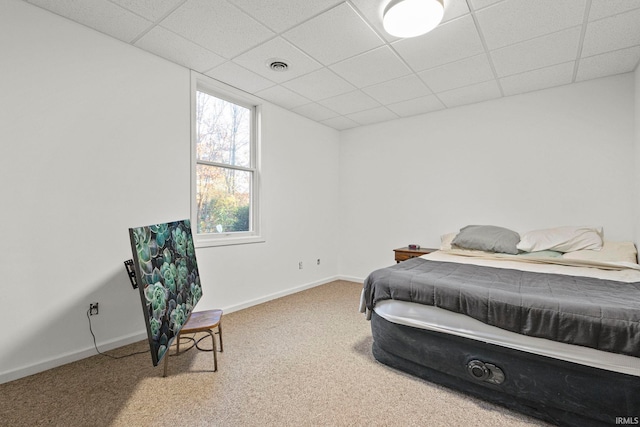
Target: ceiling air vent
(278, 65)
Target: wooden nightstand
(403, 254)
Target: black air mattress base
(560, 392)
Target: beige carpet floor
(301, 360)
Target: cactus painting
(169, 283)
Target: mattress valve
(486, 372)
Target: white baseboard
(138, 336)
(69, 357)
(251, 303)
(351, 279)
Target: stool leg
(214, 351)
(166, 362)
(220, 336)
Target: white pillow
(610, 252)
(562, 239)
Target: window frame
(201, 83)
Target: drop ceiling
(345, 71)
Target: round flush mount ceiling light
(411, 18)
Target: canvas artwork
(168, 280)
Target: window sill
(206, 242)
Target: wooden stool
(201, 321)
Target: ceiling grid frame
(611, 50)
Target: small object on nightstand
(414, 247)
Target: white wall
(94, 139)
(562, 156)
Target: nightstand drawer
(403, 254)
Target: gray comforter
(590, 312)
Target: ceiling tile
(320, 84)
(372, 67)
(100, 15)
(283, 97)
(258, 58)
(334, 35)
(480, 4)
(537, 53)
(616, 32)
(181, 51)
(217, 26)
(457, 74)
(280, 15)
(543, 78)
(315, 112)
(397, 90)
(351, 102)
(513, 21)
(149, 9)
(375, 115)
(607, 64)
(372, 12)
(340, 123)
(241, 78)
(449, 42)
(470, 94)
(412, 107)
(454, 9)
(603, 8)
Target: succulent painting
(168, 277)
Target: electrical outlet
(93, 309)
(300, 265)
(318, 261)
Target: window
(224, 167)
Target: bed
(554, 335)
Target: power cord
(108, 355)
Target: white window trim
(218, 89)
